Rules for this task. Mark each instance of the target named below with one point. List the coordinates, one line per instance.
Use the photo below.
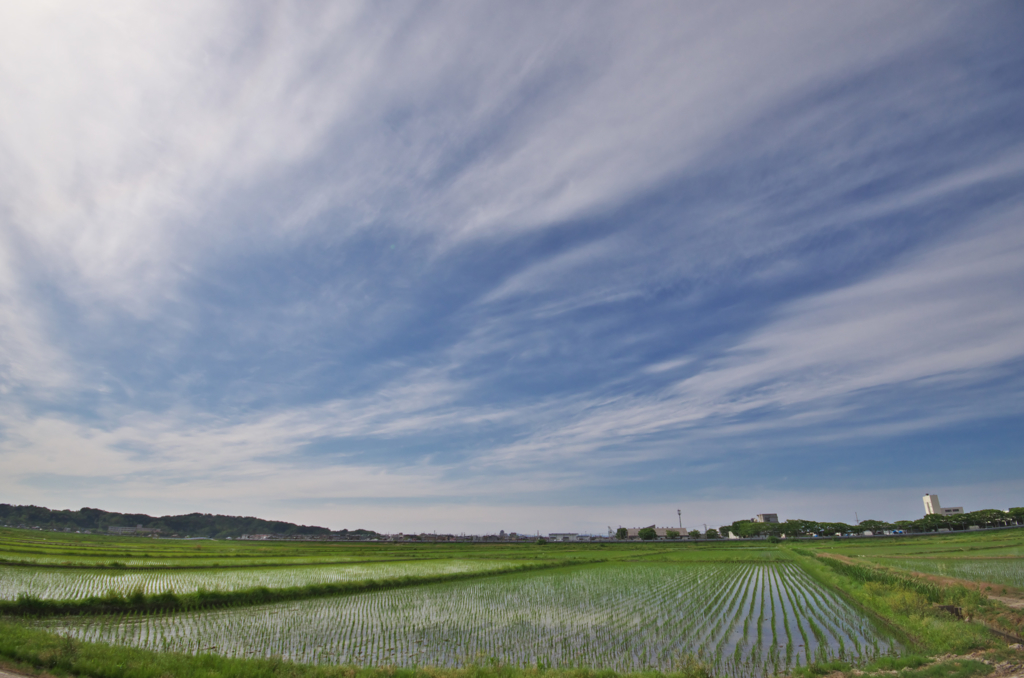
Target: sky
(465, 267)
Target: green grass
(1008, 571)
(952, 544)
(914, 667)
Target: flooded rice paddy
(72, 584)
(743, 619)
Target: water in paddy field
(72, 584)
(744, 619)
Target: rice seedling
(59, 584)
(743, 619)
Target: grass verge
(957, 668)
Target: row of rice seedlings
(181, 561)
(1009, 571)
(79, 584)
(855, 636)
(620, 617)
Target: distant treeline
(931, 523)
(191, 525)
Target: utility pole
(856, 517)
(680, 512)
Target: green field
(70, 550)
(996, 557)
(742, 619)
(1001, 542)
(1008, 571)
(75, 584)
(731, 609)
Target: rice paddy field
(76, 584)
(1008, 571)
(743, 619)
(995, 557)
(75, 550)
(955, 544)
(741, 609)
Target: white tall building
(932, 507)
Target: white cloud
(939, 320)
(130, 133)
(124, 125)
(950, 313)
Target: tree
(931, 523)
(622, 533)
(874, 525)
(798, 528)
(541, 541)
(647, 533)
(829, 529)
(743, 528)
(986, 517)
(712, 533)
(695, 534)
(671, 534)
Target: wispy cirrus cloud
(357, 252)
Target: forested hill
(191, 525)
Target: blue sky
(521, 266)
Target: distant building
(766, 518)
(932, 507)
(256, 537)
(564, 536)
(659, 532)
(662, 532)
